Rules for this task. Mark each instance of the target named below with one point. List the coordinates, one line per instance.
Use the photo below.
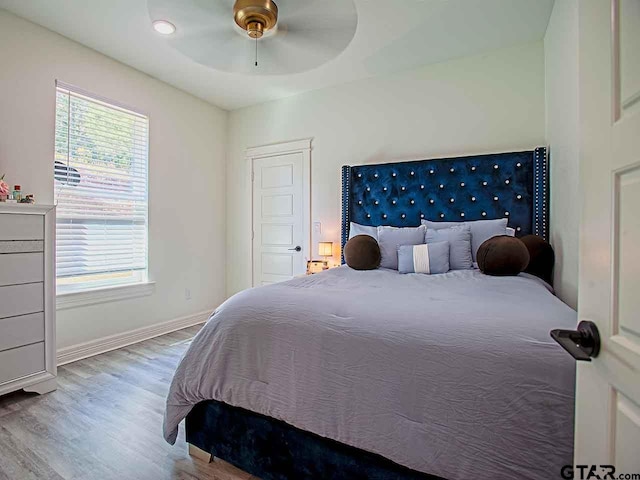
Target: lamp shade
(325, 249)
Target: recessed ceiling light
(164, 27)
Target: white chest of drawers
(27, 298)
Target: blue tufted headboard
(513, 185)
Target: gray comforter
(454, 375)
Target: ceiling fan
(258, 36)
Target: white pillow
(511, 232)
(357, 229)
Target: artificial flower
(4, 188)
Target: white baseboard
(119, 340)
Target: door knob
(297, 249)
(583, 343)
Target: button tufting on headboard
(512, 185)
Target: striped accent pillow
(431, 258)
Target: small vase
(3, 198)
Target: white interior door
(281, 226)
(608, 389)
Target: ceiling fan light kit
(255, 16)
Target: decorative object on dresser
(27, 298)
(4, 189)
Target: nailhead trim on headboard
(541, 201)
(346, 171)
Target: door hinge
(253, 176)
(253, 234)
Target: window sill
(69, 300)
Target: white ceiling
(392, 35)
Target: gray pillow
(432, 258)
(481, 230)
(459, 239)
(390, 238)
(357, 229)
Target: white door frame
(303, 147)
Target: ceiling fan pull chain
(256, 51)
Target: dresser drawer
(21, 246)
(20, 362)
(21, 227)
(21, 330)
(21, 299)
(16, 268)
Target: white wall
(186, 177)
(561, 99)
(488, 103)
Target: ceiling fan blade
(316, 43)
(192, 14)
(218, 50)
(294, 7)
(315, 14)
(309, 33)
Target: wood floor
(104, 421)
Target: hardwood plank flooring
(104, 421)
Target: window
(101, 161)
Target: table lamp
(325, 249)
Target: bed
(378, 375)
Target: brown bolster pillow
(542, 256)
(502, 255)
(362, 252)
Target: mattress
(454, 375)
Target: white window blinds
(101, 161)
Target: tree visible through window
(101, 158)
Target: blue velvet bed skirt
(273, 450)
